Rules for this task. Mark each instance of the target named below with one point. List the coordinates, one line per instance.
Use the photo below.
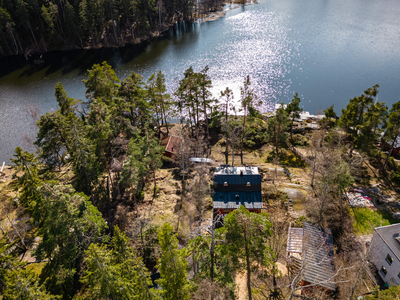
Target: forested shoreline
(99, 212)
(36, 26)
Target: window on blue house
(383, 271)
(389, 259)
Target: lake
(326, 50)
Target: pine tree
(206, 96)
(102, 83)
(392, 293)
(277, 127)
(227, 99)
(54, 136)
(245, 241)
(353, 117)
(28, 184)
(115, 272)
(293, 109)
(188, 98)
(71, 224)
(371, 129)
(24, 284)
(163, 98)
(8, 261)
(248, 104)
(132, 90)
(172, 266)
(144, 154)
(159, 100)
(393, 129)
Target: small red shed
(172, 145)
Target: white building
(385, 253)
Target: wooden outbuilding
(172, 145)
(310, 252)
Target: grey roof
(318, 256)
(201, 159)
(229, 200)
(295, 240)
(389, 235)
(228, 170)
(237, 179)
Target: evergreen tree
(245, 241)
(28, 184)
(24, 284)
(71, 224)
(163, 99)
(159, 100)
(277, 127)
(54, 137)
(132, 90)
(102, 83)
(393, 128)
(172, 266)
(293, 109)
(207, 101)
(392, 293)
(8, 261)
(116, 272)
(329, 115)
(371, 129)
(229, 127)
(188, 98)
(248, 103)
(330, 112)
(354, 116)
(144, 154)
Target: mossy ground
(365, 220)
(36, 267)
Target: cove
(326, 50)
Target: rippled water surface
(326, 50)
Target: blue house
(236, 186)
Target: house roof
(389, 235)
(171, 143)
(237, 179)
(228, 170)
(237, 183)
(250, 200)
(295, 240)
(318, 256)
(201, 160)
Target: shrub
(396, 177)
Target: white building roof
(228, 170)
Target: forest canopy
(33, 26)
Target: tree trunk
(163, 113)
(313, 173)
(34, 38)
(291, 129)
(155, 183)
(323, 202)
(233, 152)
(247, 263)
(20, 237)
(243, 133)
(390, 152)
(212, 253)
(206, 120)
